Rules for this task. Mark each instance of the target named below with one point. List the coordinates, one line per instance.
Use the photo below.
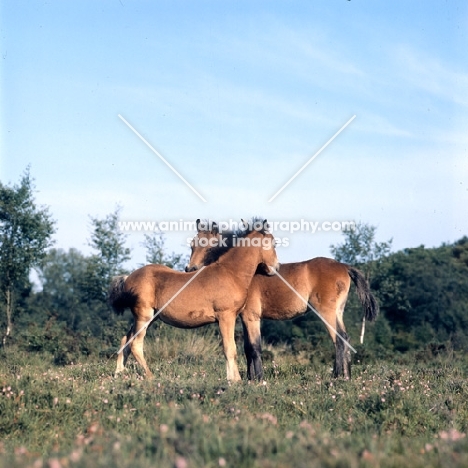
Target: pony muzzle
(271, 270)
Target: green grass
(389, 415)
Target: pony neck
(242, 260)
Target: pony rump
(118, 299)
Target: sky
(237, 96)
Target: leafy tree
(61, 274)
(360, 248)
(155, 252)
(460, 250)
(25, 233)
(108, 261)
(424, 296)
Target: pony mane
(214, 253)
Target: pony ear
(266, 226)
(244, 224)
(197, 222)
(214, 228)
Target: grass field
(389, 415)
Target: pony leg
(333, 317)
(253, 348)
(226, 327)
(123, 355)
(137, 345)
(342, 367)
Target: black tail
(368, 301)
(118, 299)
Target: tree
(25, 234)
(460, 250)
(108, 261)
(360, 249)
(423, 292)
(155, 253)
(61, 274)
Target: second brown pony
(321, 282)
(216, 294)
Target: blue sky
(237, 96)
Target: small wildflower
(452, 434)
(76, 455)
(269, 417)
(54, 463)
(180, 462)
(20, 450)
(366, 455)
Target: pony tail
(368, 301)
(117, 298)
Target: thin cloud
(431, 74)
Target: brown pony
(189, 300)
(320, 284)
